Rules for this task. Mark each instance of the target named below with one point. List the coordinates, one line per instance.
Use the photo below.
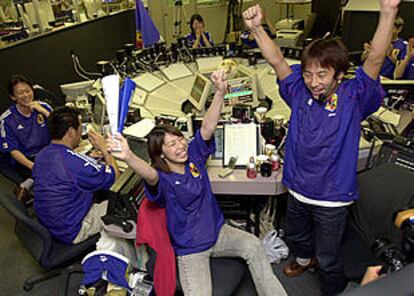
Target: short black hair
(329, 53)
(15, 79)
(61, 120)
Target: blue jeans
(194, 269)
(317, 231)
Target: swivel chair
(48, 252)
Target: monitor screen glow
(200, 91)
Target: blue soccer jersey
(64, 182)
(388, 66)
(194, 218)
(28, 134)
(323, 138)
(409, 70)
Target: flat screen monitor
(242, 90)
(99, 113)
(216, 159)
(77, 89)
(200, 91)
(399, 94)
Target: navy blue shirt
(388, 67)
(323, 138)
(409, 70)
(194, 218)
(191, 39)
(28, 134)
(64, 182)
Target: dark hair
(61, 119)
(155, 142)
(398, 22)
(195, 17)
(329, 53)
(15, 79)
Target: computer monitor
(241, 90)
(200, 91)
(399, 94)
(216, 159)
(99, 113)
(76, 89)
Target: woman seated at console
(198, 37)
(24, 129)
(178, 180)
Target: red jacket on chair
(152, 230)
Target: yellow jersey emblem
(40, 119)
(194, 170)
(332, 103)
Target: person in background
(198, 37)
(23, 131)
(396, 50)
(179, 182)
(247, 37)
(321, 156)
(405, 67)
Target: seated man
(396, 50)
(405, 67)
(64, 181)
(23, 131)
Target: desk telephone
(229, 169)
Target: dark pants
(317, 231)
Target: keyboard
(84, 147)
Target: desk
(238, 184)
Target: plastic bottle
(251, 169)
(275, 160)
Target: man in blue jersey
(322, 141)
(396, 50)
(64, 181)
(23, 128)
(405, 67)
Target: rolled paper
(26, 21)
(124, 98)
(110, 86)
(38, 16)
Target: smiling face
(174, 150)
(198, 26)
(22, 94)
(321, 81)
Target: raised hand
(390, 4)
(220, 81)
(97, 140)
(35, 105)
(253, 17)
(113, 143)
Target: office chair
(48, 252)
